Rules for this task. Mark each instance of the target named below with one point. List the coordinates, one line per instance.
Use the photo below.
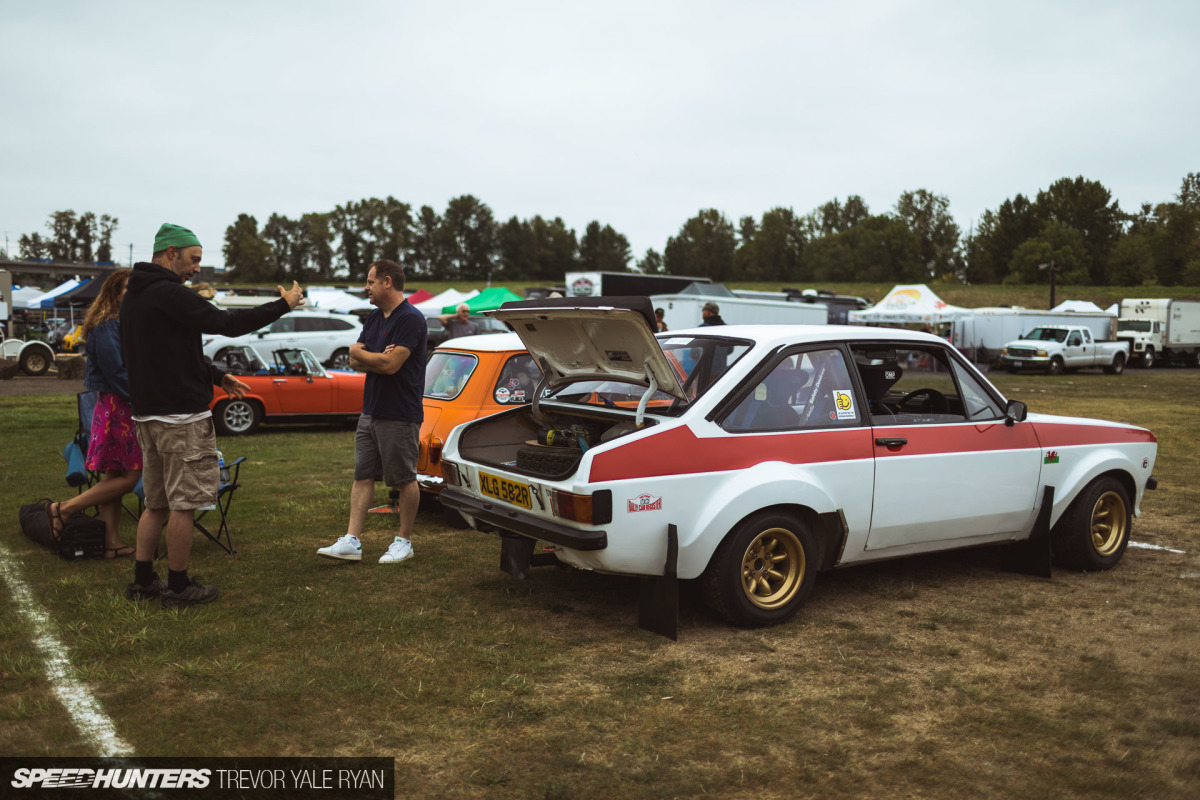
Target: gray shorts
(386, 450)
(179, 464)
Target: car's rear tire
(1117, 366)
(763, 571)
(1056, 366)
(237, 416)
(1094, 531)
(340, 359)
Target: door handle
(891, 442)
(279, 380)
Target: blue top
(397, 396)
(105, 369)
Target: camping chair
(75, 451)
(230, 474)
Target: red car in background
(293, 388)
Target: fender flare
(748, 492)
(1094, 464)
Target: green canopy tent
(488, 300)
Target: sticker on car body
(1051, 457)
(644, 502)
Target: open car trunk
(550, 447)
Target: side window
(309, 324)
(517, 380)
(1087, 337)
(1074, 340)
(446, 374)
(337, 325)
(920, 385)
(283, 325)
(804, 390)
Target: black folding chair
(75, 451)
(230, 474)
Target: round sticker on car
(502, 395)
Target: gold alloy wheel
(1109, 523)
(773, 568)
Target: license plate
(506, 490)
(1016, 363)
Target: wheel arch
(767, 488)
(253, 399)
(1103, 464)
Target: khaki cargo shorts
(179, 469)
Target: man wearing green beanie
(171, 389)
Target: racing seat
(877, 379)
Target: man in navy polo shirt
(391, 350)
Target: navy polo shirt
(396, 396)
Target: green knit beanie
(174, 236)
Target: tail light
(435, 449)
(590, 509)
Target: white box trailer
(986, 330)
(683, 310)
(1161, 329)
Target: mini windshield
(1047, 335)
(698, 361)
(1134, 325)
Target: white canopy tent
(1078, 305)
(909, 304)
(35, 303)
(339, 302)
(433, 307)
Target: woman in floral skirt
(114, 448)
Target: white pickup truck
(1056, 349)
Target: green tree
(32, 246)
(772, 250)
(877, 249)
(835, 217)
(652, 263)
(1179, 251)
(426, 258)
(468, 239)
(703, 248)
(603, 249)
(247, 255)
(1087, 207)
(999, 233)
(1059, 243)
(928, 216)
(1132, 260)
(108, 225)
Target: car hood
(573, 344)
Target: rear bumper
(489, 515)
(430, 483)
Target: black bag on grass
(81, 537)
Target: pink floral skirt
(114, 438)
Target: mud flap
(658, 597)
(517, 556)
(1032, 556)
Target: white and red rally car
(753, 457)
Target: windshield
(447, 372)
(698, 361)
(1134, 325)
(1047, 334)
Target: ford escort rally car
(750, 458)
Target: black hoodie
(161, 325)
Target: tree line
(1074, 229)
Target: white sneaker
(400, 550)
(347, 548)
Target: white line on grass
(85, 711)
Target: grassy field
(941, 677)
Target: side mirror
(1015, 411)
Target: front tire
(36, 360)
(762, 572)
(236, 416)
(1094, 532)
(340, 359)
(1148, 358)
(1056, 366)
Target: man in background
(459, 323)
(171, 389)
(711, 314)
(391, 350)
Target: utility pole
(1050, 265)
(131, 255)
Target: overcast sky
(636, 114)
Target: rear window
(698, 361)
(447, 373)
